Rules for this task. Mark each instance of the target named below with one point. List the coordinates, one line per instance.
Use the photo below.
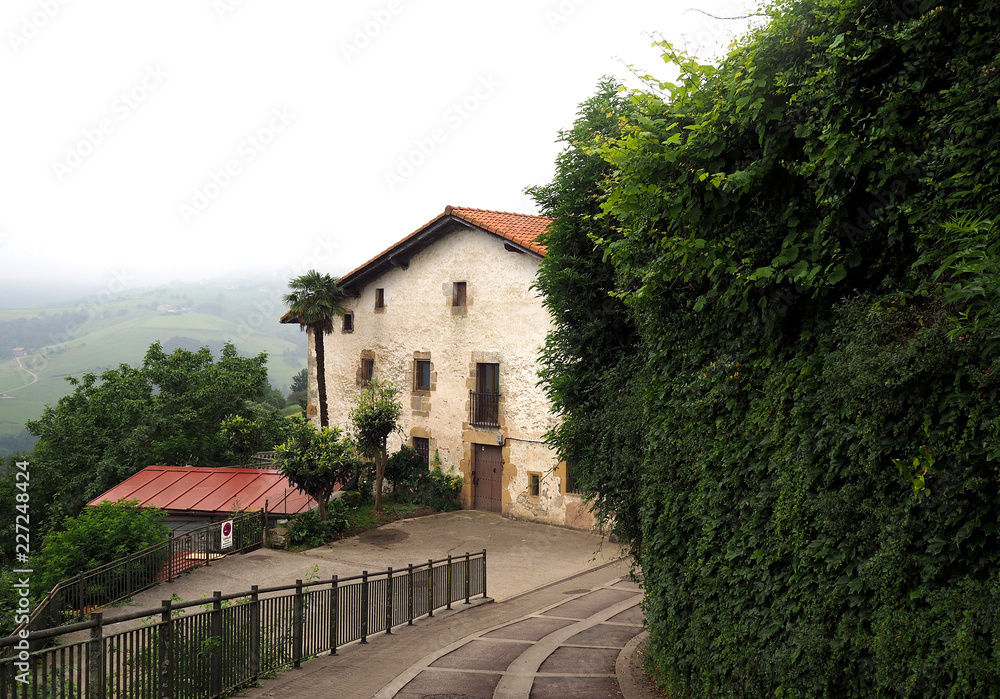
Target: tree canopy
(374, 417)
(804, 239)
(167, 411)
(316, 460)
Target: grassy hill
(93, 334)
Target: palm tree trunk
(319, 341)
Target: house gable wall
(503, 322)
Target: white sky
(172, 92)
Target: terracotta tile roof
(179, 489)
(522, 229)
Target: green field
(120, 331)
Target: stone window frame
(380, 300)
(534, 484)
(367, 360)
(347, 322)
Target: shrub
(98, 535)
(308, 529)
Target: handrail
(78, 593)
(236, 638)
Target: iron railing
(484, 409)
(75, 598)
(235, 638)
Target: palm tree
(313, 302)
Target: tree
(300, 390)
(316, 460)
(168, 411)
(313, 302)
(375, 416)
(245, 436)
(588, 361)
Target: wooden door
(487, 472)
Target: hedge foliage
(785, 272)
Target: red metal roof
(180, 489)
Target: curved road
(34, 377)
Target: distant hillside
(41, 345)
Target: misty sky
(148, 141)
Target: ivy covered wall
(776, 291)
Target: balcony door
(485, 400)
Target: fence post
(206, 540)
(334, 616)
(170, 557)
(79, 595)
(297, 626)
(364, 606)
(448, 576)
(430, 587)
(466, 577)
(166, 652)
(388, 601)
(484, 573)
(95, 658)
(128, 574)
(254, 632)
(216, 643)
(409, 595)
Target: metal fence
(234, 638)
(484, 409)
(75, 598)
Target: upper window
(458, 294)
(367, 370)
(379, 298)
(347, 325)
(422, 375)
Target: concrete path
(577, 638)
(561, 619)
(569, 649)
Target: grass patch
(365, 517)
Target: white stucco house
(449, 315)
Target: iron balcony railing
(75, 598)
(484, 409)
(231, 640)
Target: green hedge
(803, 241)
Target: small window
(367, 370)
(458, 294)
(571, 484)
(379, 298)
(348, 323)
(534, 484)
(423, 447)
(422, 375)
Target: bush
(405, 468)
(98, 535)
(309, 530)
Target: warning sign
(227, 534)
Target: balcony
(484, 409)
